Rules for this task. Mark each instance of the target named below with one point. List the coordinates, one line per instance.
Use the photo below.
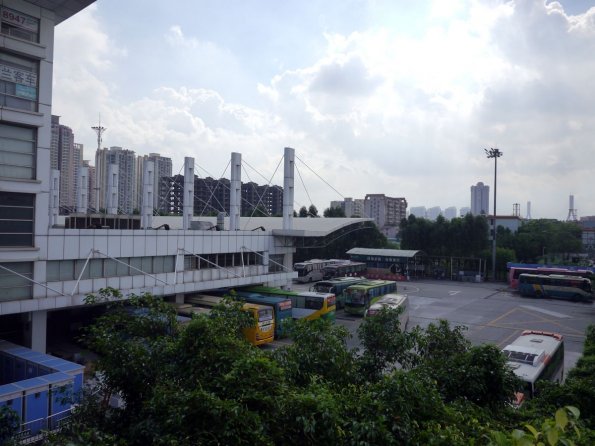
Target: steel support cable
(270, 260)
(31, 280)
(214, 189)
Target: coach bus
(311, 270)
(337, 287)
(392, 302)
(307, 305)
(535, 356)
(515, 272)
(360, 296)
(261, 332)
(556, 286)
(343, 268)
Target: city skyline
(380, 97)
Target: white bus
(311, 270)
(391, 301)
(534, 356)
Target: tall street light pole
(494, 153)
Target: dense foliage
(543, 241)
(203, 384)
(460, 237)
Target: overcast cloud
(392, 97)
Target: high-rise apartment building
(387, 212)
(125, 160)
(91, 187)
(480, 199)
(450, 213)
(433, 212)
(418, 211)
(163, 171)
(65, 156)
(266, 198)
(351, 207)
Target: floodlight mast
(494, 153)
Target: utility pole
(494, 153)
(99, 130)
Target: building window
(19, 25)
(17, 152)
(276, 263)
(16, 286)
(18, 82)
(17, 213)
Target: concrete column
(188, 202)
(112, 188)
(82, 194)
(147, 194)
(289, 164)
(38, 330)
(180, 298)
(235, 193)
(54, 197)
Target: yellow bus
(263, 329)
(307, 305)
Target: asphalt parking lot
(490, 311)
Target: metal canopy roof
(409, 253)
(302, 227)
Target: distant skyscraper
(480, 199)
(66, 156)
(91, 186)
(418, 211)
(433, 212)
(450, 213)
(126, 162)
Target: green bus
(307, 305)
(360, 296)
(336, 286)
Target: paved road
(491, 312)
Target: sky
(375, 96)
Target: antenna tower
(99, 129)
(571, 210)
(516, 210)
(528, 210)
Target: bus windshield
(265, 314)
(314, 303)
(356, 296)
(323, 288)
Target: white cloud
(378, 110)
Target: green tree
(312, 211)
(334, 212)
(303, 213)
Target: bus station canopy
(402, 253)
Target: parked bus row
(515, 271)
(259, 333)
(337, 287)
(317, 269)
(535, 356)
